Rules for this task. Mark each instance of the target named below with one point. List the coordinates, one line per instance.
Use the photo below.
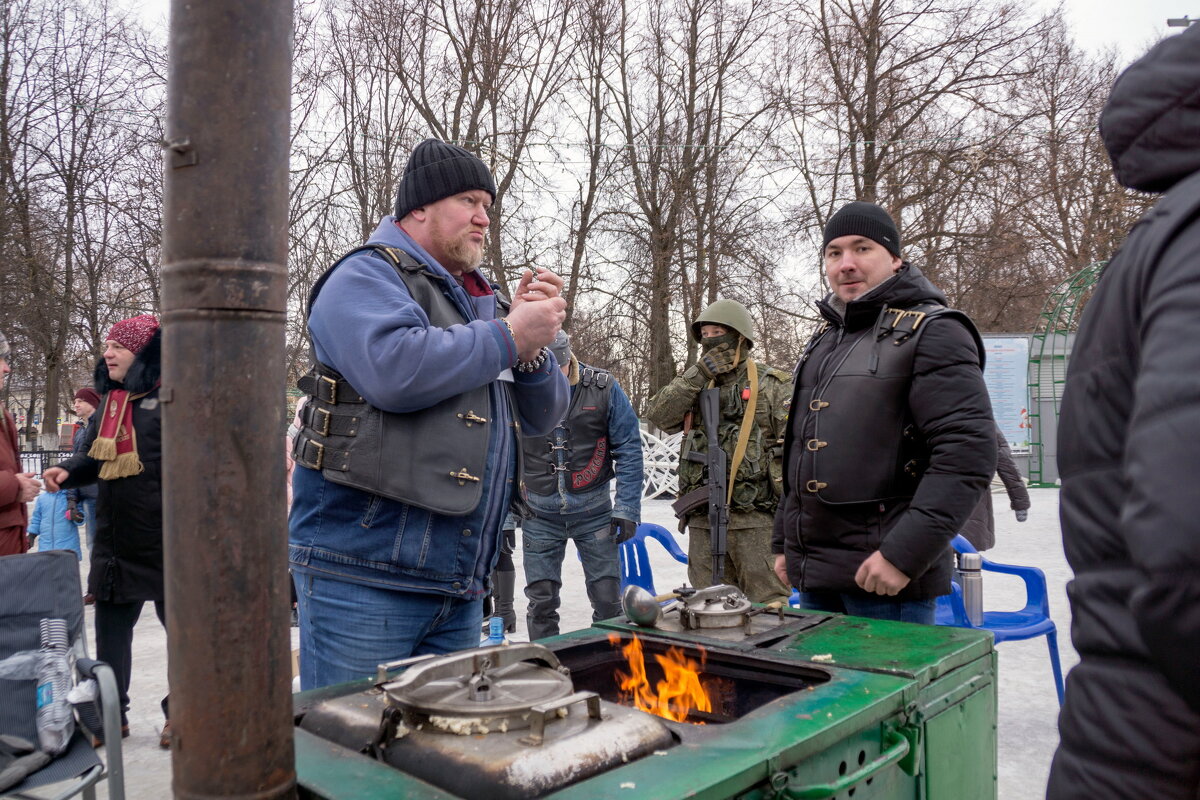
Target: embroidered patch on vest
(588, 474)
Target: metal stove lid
(716, 603)
(497, 684)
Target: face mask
(726, 338)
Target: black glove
(1022, 514)
(622, 530)
(718, 360)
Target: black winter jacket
(1129, 457)
(980, 529)
(127, 559)
(948, 404)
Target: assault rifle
(715, 494)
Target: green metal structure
(1048, 353)
(899, 712)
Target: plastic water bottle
(970, 578)
(495, 632)
(55, 721)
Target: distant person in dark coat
(85, 404)
(16, 488)
(1129, 457)
(124, 453)
(980, 529)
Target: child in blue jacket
(49, 524)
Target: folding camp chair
(41, 586)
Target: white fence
(661, 464)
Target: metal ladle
(643, 608)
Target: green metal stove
(797, 705)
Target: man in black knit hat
(422, 379)
(890, 441)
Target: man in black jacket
(890, 443)
(1129, 456)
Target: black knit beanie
(438, 169)
(864, 219)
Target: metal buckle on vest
(470, 418)
(326, 416)
(816, 404)
(815, 486)
(463, 476)
(392, 253)
(902, 336)
(813, 445)
(333, 386)
(320, 459)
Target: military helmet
(727, 313)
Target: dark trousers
(114, 643)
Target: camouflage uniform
(756, 489)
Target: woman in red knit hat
(123, 455)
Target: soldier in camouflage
(725, 332)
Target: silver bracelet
(537, 363)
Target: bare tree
(694, 115)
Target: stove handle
(896, 746)
(382, 670)
(541, 714)
(466, 663)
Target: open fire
(676, 695)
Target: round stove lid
(721, 601)
(492, 683)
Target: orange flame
(675, 695)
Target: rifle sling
(739, 451)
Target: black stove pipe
(224, 289)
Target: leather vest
(588, 461)
(433, 458)
(856, 429)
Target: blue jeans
(875, 606)
(346, 629)
(544, 543)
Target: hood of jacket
(907, 287)
(144, 372)
(1151, 123)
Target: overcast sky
(1130, 25)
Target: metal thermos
(970, 578)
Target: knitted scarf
(116, 441)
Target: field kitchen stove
(724, 614)
(748, 702)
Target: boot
(605, 594)
(542, 620)
(504, 584)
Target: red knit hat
(134, 333)
(88, 396)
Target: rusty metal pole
(224, 293)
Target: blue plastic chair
(1031, 621)
(635, 561)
